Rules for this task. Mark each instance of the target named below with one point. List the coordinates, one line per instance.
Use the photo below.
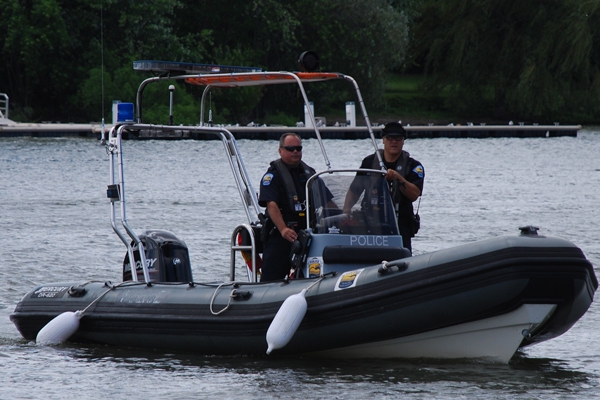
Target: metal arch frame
(117, 177)
(246, 191)
(258, 79)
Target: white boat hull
(493, 339)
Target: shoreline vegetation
(417, 61)
(406, 102)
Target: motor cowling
(167, 258)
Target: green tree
(528, 59)
(49, 47)
(364, 39)
(35, 51)
(69, 59)
(118, 32)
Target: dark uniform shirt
(276, 250)
(291, 202)
(273, 188)
(414, 173)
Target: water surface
(56, 227)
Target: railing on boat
(245, 231)
(116, 189)
(258, 78)
(4, 105)
(225, 77)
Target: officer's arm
(277, 218)
(349, 201)
(410, 190)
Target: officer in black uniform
(405, 177)
(282, 192)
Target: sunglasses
(292, 148)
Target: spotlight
(309, 61)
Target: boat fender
(286, 321)
(59, 329)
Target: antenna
(102, 67)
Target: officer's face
(393, 144)
(291, 157)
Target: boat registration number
(50, 292)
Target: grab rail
(4, 105)
(252, 269)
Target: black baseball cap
(393, 128)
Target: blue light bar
(188, 68)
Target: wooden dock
(93, 130)
(42, 130)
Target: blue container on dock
(124, 112)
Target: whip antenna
(102, 69)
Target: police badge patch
(266, 180)
(419, 170)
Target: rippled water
(55, 226)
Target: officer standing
(405, 177)
(282, 192)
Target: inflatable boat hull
(481, 300)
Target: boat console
(338, 241)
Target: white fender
(286, 321)
(59, 329)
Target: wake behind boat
(355, 290)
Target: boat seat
(363, 254)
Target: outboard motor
(167, 257)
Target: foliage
(347, 35)
(69, 59)
(52, 49)
(363, 39)
(528, 59)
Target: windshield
(365, 198)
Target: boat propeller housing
(167, 257)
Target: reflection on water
(107, 370)
(56, 227)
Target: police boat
(353, 290)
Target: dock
(45, 130)
(94, 130)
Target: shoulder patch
(266, 180)
(419, 170)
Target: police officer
(405, 177)
(282, 192)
